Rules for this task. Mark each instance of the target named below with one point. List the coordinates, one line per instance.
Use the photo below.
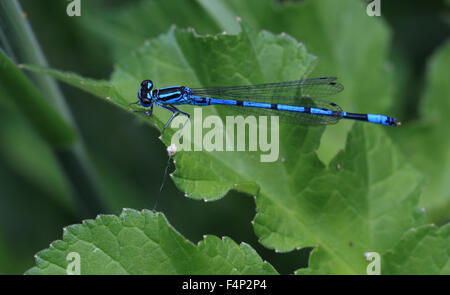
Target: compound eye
(145, 93)
(147, 85)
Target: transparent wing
(292, 117)
(313, 87)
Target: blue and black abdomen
(372, 118)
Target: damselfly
(295, 101)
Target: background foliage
(398, 64)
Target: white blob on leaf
(172, 150)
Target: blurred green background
(43, 190)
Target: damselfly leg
(175, 112)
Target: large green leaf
(362, 202)
(145, 243)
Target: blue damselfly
(294, 101)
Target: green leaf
(425, 143)
(362, 202)
(145, 243)
(14, 84)
(423, 250)
(359, 207)
(99, 88)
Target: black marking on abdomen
(307, 110)
(202, 100)
(360, 117)
(274, 106)
(239, 103)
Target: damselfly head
(145, 93)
